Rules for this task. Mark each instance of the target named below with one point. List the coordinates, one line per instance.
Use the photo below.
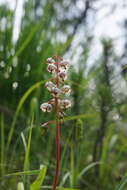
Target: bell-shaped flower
(49, 85)
(62, 75)
(55, 91)
(65, 63)
(51, 68)
(46, 107)
(66, 89)
(65, 104)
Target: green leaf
(36, 185)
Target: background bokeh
(93, 35)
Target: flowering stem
(58, 67)
(57, 157)
(55, 182)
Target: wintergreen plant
(58, 67)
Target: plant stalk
(55, 182)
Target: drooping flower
(65, 63)
(65, 104)
(57, 87)
(49, 85)
(55, 91)
(66, 89)
(46, 107)
(62, 75)
(51, 68)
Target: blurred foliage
(93, 137)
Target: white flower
(66, 89)
(62, 75)
(55, 91)
(50, 60)
(46, 107)
(51, 68)
(65, 103)
(49, 85)
(65, 63)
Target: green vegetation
(93, 136)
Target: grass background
(93, 137)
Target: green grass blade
(81, 116)
(26, 161)
(122, 186)
(72, 167)
(36, 185)
(20, 105)
(65, 177)
(58, 188)
(30, 36)
(62, 188)
(2, 145)
(31, 172)
(20, 186)
(24, 140)
(86, 169)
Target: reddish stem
(55, 182)
(57, 157)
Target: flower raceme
(58, 67)
(59, 70)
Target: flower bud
(46, 107)
(65, 104)
(66, 89)
(51, 68)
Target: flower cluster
(57, 87)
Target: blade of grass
(81, 116)
(20, 105)
(30, 36)
(27, 153)
(2, 145)
(121, 186)
(20, 186)
(62, 188)
(65, 177)
(87, 168)
(36, 185)
(104, 168)
(31, 172)
(59, 188)
(24, 140)
(26, 161)
(73, 172)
